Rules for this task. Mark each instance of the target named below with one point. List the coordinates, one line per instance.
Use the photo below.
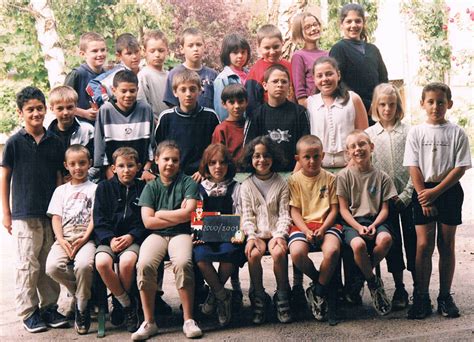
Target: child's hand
(147, 176)
(77, 245)
(251, 244)
(67, 247)
(280, 242)
(91, 114)
(371, 230)
(198, 242)
(197, 177)
(7, 223)
(427, 197)
(113, 245)
(430, 211)
(123, 242)
(309, 235)
(319, 234)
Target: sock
(297, 277)
(319, 289)
(82, 305)
(221, 295)
(371, 282)
(282, 295)
(124, 299)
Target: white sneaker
(146, 330)
(191, 329)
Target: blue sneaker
(34, 323)
(53, 318)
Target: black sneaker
(447, 307)
(298, 299)
(82, 321)
(34, 323)
(53, 319)
(131, 318)
(116, 316)
(400, 299)
(355, 291)
(161, 307)
(421, 307)
(237, 301)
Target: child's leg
(105, 266)
(394, 257)
(331, 249)
(447, 258)
(84, 272)
(152, 253)
(280, 264)
(57, 268)
(361, 257)
(255, 265)
(127, 263)
(299, 255)
(409, 238)
(425, 243)
(383, 242)
(210, 275)
(180, 250)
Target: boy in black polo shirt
(32, 160)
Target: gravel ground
(360, 323)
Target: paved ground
(361, 323)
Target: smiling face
(155, 53)
(311, 29)
(352, 26)
(310, 158)
(187, 94)
(277, 86)
(126, 168)
(359, 147)
(131, 59)
(326, 78)
(262, 161)
(77, 163)
(436, 104)
(33, 113)
(64, 111)
(168, 164)
(193, 49)
(126, 95)
(95, 54)
(217, 167)
(270, 49)
(236, 108)
(387, 109)
(238, 58)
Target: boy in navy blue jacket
(119, 231)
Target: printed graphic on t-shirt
(77, 210)
(279, 135)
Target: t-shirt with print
(74, 204)
(364, 191)
(313, 195)
(157, 196)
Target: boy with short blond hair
(192, 45)
(363, 193)
(93, 49)
(189, 124)
(152, 78)
(269, 46)
(30, 171)
(71, 212)
(127, 50)
(314, 209)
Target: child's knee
(358, 246)
(54, 269)
(384, 240)
(278, 254)
(103, 262)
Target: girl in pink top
(305, 29)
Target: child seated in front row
(167, 203)
(437, 154)
(71, 212)
(265, 221)
(363, 193)
(219, 192)
(314, 209)
(119, 231)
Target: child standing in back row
(389, 135)
(306, 29)
(437, 153)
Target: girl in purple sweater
(305, 29)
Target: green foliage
(428, 20)
(332, 32)
(8, 117)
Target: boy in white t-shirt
(71, 212)
(437, 154)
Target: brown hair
(186, 75)
(156, 35)
(360, 12)
(125, 152)
(390, 90)
(126, 41)
(271, 69)
(358, 132)
(268, 31)
(190, 31)
(207, 156)
(88, 37)
(310, 140)
(297, 26)
(62, 94)
(77, 148)
(436, 86)
(166, 144)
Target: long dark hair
(360, 12)
(341, 91)
(278, 159)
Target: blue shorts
(351, 233)
(297, 235)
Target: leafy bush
(8, 115)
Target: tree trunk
(49, 41)
(280, 13)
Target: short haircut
(77, 148)
(125, 76)
(207, 156)
(62, 94)
(360, 12)
(165, 145)
(310, 140)
(389, 90)
(436, 86)
(297, 26)
(268, 31)
(29, 93)
(125, 152)
(126, 41)
(186, 75)
(232, 43)
(88, 37)
(154, 34)
(341, 90)
(190, 31)
(234, 91)
(271, 69)
(358, 132)
(278, 158)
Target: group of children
(156, 162)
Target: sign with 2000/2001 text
(219, 228)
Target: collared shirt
(388, 156)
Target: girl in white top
(334, 111)
(265, 221)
